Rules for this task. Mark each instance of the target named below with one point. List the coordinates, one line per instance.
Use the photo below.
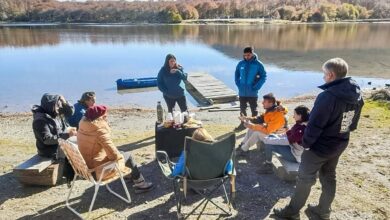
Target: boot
(141, 186)
(240, 127)
(287, 213)
(315, 209)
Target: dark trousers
(252, 104)
(129, 162)
(182, 102)
(310, 165)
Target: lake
(72, 59)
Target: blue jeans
(283, 150)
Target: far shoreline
(224, 21)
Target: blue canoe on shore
(136, 83)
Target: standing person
(87, 100)
(170, 83)
(96, 147)
(335, 114)
(250, 76)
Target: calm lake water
(71, 59)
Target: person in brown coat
(96, 146)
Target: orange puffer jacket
(273, 121)
(96, 146)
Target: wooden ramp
(208, 90)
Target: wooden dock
(208, 90)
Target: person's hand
(62, 99)
(72, 133)
(247, 124)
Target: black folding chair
(204, 173)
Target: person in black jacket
(335, 114)
(48, 124)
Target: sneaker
(266, 168)
(315, 209)
(240, 127)
(141, 186)
(287, 213)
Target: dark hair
(167, 58)
(270, 97)
(303, 111)
(248, 49)
(87, 96)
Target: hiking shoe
(266, 168)
(141, 186)
(315, 209)
(240, 127)
(287, 213)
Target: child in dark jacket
(288, 145)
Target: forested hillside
(177, 11)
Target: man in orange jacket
(269, 122)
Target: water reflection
(71, 59)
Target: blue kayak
(136, 83)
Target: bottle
(159, 112)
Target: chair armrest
(162, 157)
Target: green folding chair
(205, 171)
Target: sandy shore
(363, 173)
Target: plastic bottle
(159, 112)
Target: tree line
(177, 11)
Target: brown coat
(96, 146)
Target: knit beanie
(95, 112)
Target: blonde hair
(201, 134)
(336, 65)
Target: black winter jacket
(335, 114)
(48, 126)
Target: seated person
(288, 145)
(260, 127)
(87, 100)
(97, 148)
(48, 124)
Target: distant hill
(177, 11)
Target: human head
(170, 61)
(248, 53)
(335, 68)
(201, 134)
(269, 100)
(88, 99)
(96, 112)
(301, 113)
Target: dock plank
(204, 88)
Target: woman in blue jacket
(170, 83)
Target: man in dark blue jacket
(335, 114)
(249, 77)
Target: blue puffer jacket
(335, 114)
(171, 84)
(79, 111)
(250, 76)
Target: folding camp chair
(205, 170)
(80, 168)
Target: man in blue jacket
(335, 114)
(249, 77)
